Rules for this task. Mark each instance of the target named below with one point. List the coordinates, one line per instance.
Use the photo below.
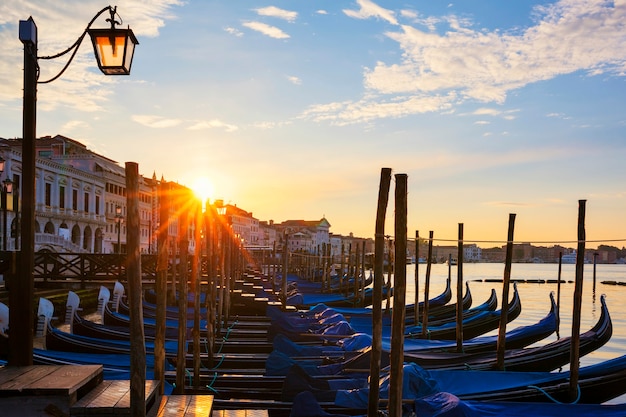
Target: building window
(86, 203)
(61, 197)
(48, 194)
(74, 199)
(97, 204)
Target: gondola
(543, 358)
(436, 310)
(519, 337)
(302, 326)
(597, 384)
(88, 328)
(449, 405)
(474, 326)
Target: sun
(203, 188)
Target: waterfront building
(70, 203)
(309, 236)
(472, 253)
(80, 198)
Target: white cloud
(486, 111)
(465, 64)
(321, 12)
(213, 124)
(156, 122)
(274, 11)
(234, 31)
(294, 80)
(369, 9)
(409, 14)
(265, 29)
(73, 125)
(367, 110)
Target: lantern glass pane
(128, 54)
(111, 54)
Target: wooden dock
(79, 391)
(45, 390)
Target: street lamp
(114, 57)
(5, 188)
(119, 218)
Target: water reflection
(535, 297)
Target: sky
(290, 109)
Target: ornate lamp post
(5, 188)
(114, 52)
(119, 218)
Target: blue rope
(210, 385)
(221, 360)
(551, 398)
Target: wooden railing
(50, 266)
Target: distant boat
(569, 258)
(410, 259)
(451, 261)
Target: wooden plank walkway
(112, 398)
(183, 406)
(240, 413)
(45, 390)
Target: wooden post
(427, 284)
(209, 304)
(363, 275)
(346, 278)
(595, 261)
(285, 268)
(416, 312)
(341, 274)
(356, 275)
(459, 292)
(272, 268)
(389, 272)
(135, 294)
(399, 299)
(195, 281)
(161, 286)
(183, 226)
(377, 295)
(228, 273)
(558, 298)
(574, 356)
(222, 282)
(505, 295)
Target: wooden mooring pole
(427, 284)
(183, 225)
(505, 294)
(161, 286)
(195, 284)
(285, 269)
(377, 295)
(558, 298)
(574, 356)
(416, 310)
(399, 300)
(135, 293)
(459, 292)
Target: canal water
(534, 294)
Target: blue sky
(291, 108)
